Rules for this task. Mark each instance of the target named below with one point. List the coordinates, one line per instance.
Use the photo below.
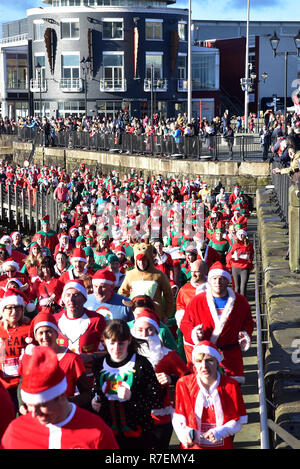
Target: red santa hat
(15, 233)
(104, 276)
(44, 318)
(77, 284)
(149, 316)
(209, 348)
(42, 377)
(119, 250)
(78, 254)
(16, 297)
(10, 263)
(219, 269)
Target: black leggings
(240, 278)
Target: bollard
(294, 228)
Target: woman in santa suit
(13, 332)
(168, 367)
(32, 261)
(48, 287)
(209, 407)
(240, 261)
(44, 332)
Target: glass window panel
(113, 60)
(70, 60)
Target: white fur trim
(221, 272)
(248, 341)
(209, 350)
(12, 300)
(83, 259)
(179, 315)
(75, 285)
(44, 396)
(219, 321)
(10, 264)
(45, 323)
(149, 320)
(194, 334)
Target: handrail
(264, 432)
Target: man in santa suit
(163, 261)
(79, 328)
(209, 407)
(51, 239)
(223, 317)
(168, 368)
(186, 293)
(53, 422)
(206, 253)
(78, 268)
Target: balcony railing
(17, 84)
(37, 86)
(182, 85)
(158, 85)
(71, 85)
(17, 38)
(107, 84)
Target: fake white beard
(153, 349)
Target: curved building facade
(99, 56)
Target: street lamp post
(189, 113)
(39, 70)
(246, 102)
(85, 65)
(274, 41)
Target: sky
(267, 10)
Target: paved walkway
(249, 436)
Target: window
(203, 71)
(70, 66)
(181, 71)
(70, 29)
(113, 70)
(154, 29)
(40, 60)
(182, 31)
(154, 62)
(16, 71)
(113, 28)
(67, 108)
(38, 30)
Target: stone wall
(282, 296)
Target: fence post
(23, 208)
(1, 202)
(17, 208)
(294, 228)
(9, 205)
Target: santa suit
(209, 256)
(81, 335)
(80, 430)
(221, 408)
(220, 329)
(164, 263)
(185, 295)
(170, 363)
(240, 256)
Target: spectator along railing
(245, 147)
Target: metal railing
(17, 38)
(71, 85)
(245, 147)
(24, 208)
(107, 84)
(263, 414)
(281, 184)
